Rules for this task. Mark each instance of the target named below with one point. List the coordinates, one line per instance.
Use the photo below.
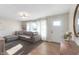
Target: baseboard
(50, 42)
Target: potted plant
(68, 36)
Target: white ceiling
(10, 11)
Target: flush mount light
(23, 14)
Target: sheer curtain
(43, 29)
(37, 26)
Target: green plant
(67, 35)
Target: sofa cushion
(18, 33)
(25, 36)
(28, 33)
(9, 38)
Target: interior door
(57, 30)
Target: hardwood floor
(21, 47)
(46, 48)
(69, 48)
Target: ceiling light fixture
(23, 15)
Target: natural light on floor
(14, 49)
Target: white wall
(7, 27)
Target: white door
(57, 30)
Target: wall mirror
(76, 21)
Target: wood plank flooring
(46, 48)
(39, 48)
(42, 48)
(69, 48)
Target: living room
(35, 29)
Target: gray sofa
(23, 35)
(10, 38)
(28, 36)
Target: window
(56, 23)
(37, 26)
(33, 26)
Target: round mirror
(76, 21)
